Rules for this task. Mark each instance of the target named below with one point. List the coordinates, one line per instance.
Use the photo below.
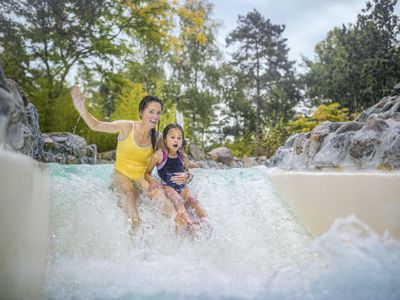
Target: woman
(137, 140)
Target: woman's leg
(131, 192)
(157, 193)
(193, 202)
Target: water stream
(256, 249)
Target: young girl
(169, 162)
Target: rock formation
(19, 122)
(68, 148)
(371, 141)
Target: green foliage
(103, 141)
(193, 70)
(58, 115)
(302, 124)
(252, 145)
(332, 112)
(275, 137)
(356, 65)
(242, 146)
(127, 107)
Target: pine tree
(261, 56)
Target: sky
(307, 21)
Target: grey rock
(363, 147)
(37, 141)
(197, 152)
(334, 152)
(371, 141)
(19, 121)
(349, 126)
(290, 141)
(248, 161)
(391, 152)
(108, 155)
(396, 90)
(12, 116)
(68, 148)
(396, 116)
(375, 124)
(222, 155)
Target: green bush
(330, 112)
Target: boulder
(222, 155)
(248, 161)
(197, 152)
(108, 155)
(68, 148)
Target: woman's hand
(78, 99)
(154, 186)
(180, 178)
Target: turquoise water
(257, 249)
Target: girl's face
(174, 139)
(151, 114)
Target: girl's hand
(180, 178)
(78, 99)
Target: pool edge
(319, 198)
(24, 218)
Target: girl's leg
(193, 202)
(182, 218)
(131, 193)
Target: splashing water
(257, 249)
(76, 124)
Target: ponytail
(154, 138)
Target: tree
(193, 67)
(356, 65)
(236, 115)
(261, 55)
(57, 36)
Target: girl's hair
(168, 128)
(146, 100)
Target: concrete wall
(319, 198)
(24, 216)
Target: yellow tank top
(132, 159)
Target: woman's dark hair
(168, 128)
(146, 100)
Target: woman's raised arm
(112, 127)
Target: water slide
(271, 235)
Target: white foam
(258, 248)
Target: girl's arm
(188, 163)
(155, 160)
(112, 127)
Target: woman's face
(151, 114)
(174, 139)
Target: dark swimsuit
(168, 167)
